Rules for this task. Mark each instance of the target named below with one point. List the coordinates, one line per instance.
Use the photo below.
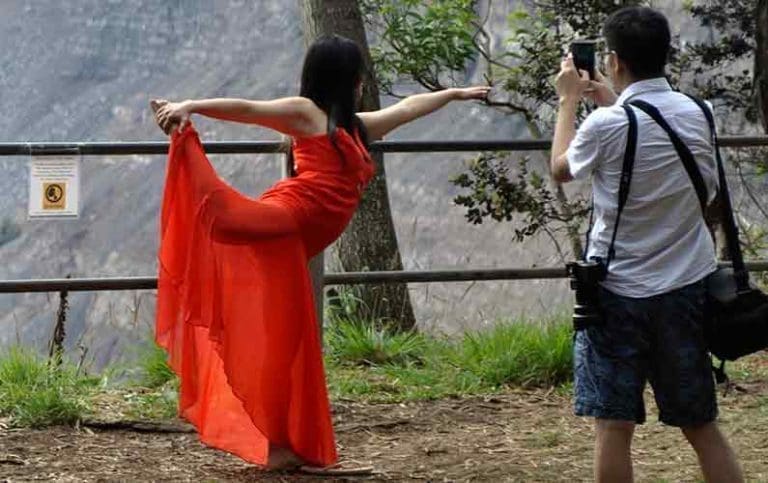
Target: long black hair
(333, 69)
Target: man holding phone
(652, 299)
(583, 52)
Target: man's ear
(620, 70)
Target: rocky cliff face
(85, 70)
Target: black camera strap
(625, 181)
(728, 220)
(729, 223)
(694, 173)
(591, 224)
(689, 162)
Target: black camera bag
(738, 322)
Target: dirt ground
(515, 436)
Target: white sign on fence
(54, 187)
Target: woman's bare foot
(282, 459)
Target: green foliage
(154, 371)
(721, 69)
(34, 394)
(494, 193)
(426, 41)
(754, 243)
(528, 85)
(519, 353)
(343, 303)
(360, 343)
(539, 35)
(440, 40)
(524, 66)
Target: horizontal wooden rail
(250, 147)
(349, 278)
(319, 279)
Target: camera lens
(585, 282)
(585, 316)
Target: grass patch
(520, 354)
(383, 366)
(364, 362)
(154, 371)
(357, 343)
(391, 383)
(159, 404)
(33, 394)
(155, 389)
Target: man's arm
(565, 131)
(570, 86)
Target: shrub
(35, 394)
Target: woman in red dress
(235, 308)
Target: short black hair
(640, 37)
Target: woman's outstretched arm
(294, 116)
(379, 123)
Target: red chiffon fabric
(235, 306)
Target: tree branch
(751, 195)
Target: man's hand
(600, 92)
(571, 84)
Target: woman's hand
(600, 92)
(474, 92)
(168, 114)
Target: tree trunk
(761, 61)
(370, 241)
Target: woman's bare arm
(294, 116)
(379, 123)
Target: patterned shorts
(658, 339)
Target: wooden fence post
(56, 344)
(317, 264)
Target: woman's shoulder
(314, 118)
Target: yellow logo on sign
(54, 196)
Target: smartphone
(584, 56)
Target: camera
(585, 279)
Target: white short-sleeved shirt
(663, 242)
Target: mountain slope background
(85, 71)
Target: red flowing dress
(235, 306)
